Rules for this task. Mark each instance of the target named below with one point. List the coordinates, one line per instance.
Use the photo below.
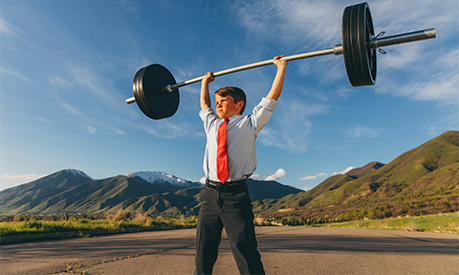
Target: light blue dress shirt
(242, 132)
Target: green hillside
(36, 193)
(301, 199)
(428, 170)
(423, 180)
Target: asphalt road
(284, 250)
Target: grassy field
(22, 229)
(441, 223)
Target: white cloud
(431, 64)
(8, 181)
(59, 81)
(170, 130)
(5, 27)
(70, 109)
(130, 6)
(319, 175)
(5, 71)
(280, 173)
(97, 85)
(11, 30)
(439, 125)
(90, 129)
(308, 178)
(290, 126)
(344, 171)
(392, 16)
(443, 69)
(296, 23)
(82, 117)
(293, 22)
(438, 64)
(314, 177)
(322, 175)
(8, 29)
(313, 25)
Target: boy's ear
(240, 104)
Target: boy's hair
(236, 93)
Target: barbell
(156, 91)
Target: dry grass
(440, 223)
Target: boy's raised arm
(278, 82)
(205, 97)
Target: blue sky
(67, 67)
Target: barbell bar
(156, 91)
(336, 50)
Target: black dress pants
(232, 210)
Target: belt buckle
(214, 185)
(223, 187)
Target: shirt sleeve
(209, 117)
(261, 114)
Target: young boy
(228, 161)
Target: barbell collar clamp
(338, 49)
(130, 100)
(166, 89)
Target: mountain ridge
(421, 180)
(155, 176)
(154, 192)
(329, 184)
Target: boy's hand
(278, 62)
(209, 77)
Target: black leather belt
(227, 186)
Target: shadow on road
(398, 244)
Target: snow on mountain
(77, 173)
(154, 177)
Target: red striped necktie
(222, 153)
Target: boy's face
(226, 107)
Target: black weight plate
(371, 52)
(357, 17)
(359, 56)
(147, 86)
(367, 55)
(347, 46)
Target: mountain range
(422, 180)
(73, 192)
